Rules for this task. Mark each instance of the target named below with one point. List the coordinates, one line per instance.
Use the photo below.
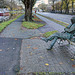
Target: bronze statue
(68, 34)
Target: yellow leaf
(41, 57)
(31, 53)
(73, 66)
(40, 33)
(35, 48)
(15, 39)
(47, 64)
(72, 59)
(28, 47)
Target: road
(60, 17)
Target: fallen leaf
(30, 53)
(15, 39)
(35, 48)
(21, 68)
(1, 50)
(47, 64)
(28, 47)
(73, 66)
(41, 57)
(72, 59)
(35, 38)
(40, 33)
(60, 63)
(22, 31)
(32, 38)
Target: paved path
(9, 55)
(34, 57)
(60, 17)
(15, 30)
(10, 45)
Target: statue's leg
(52, 43)
(49, 38)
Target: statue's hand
(63, 32)
(67, 27)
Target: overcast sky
(41, 1)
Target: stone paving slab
(35, 57)
(9, 55)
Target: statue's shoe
(44, 39)
(49, 48)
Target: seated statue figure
(68, 34)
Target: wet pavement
(9, 55)
(35, 57)
(15, 30)
(24, 46)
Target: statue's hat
(73, 20)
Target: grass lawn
(6, 23)
(36, 18)
(47, 34)
(49, 73)
(33, 25)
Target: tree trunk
(30, 16)
(61, 6)
(26, 13)
(67, 9)
(72, 5)
(28, 10)
(53, 5)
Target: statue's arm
(69, 26)
(72, 28)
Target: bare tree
(42, 6)
(2, 3)
(67, 6)
(61, 5)
(53, 1)
(72, 5)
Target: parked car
(4, 14)
(1, 16)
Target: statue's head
(73, 20)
